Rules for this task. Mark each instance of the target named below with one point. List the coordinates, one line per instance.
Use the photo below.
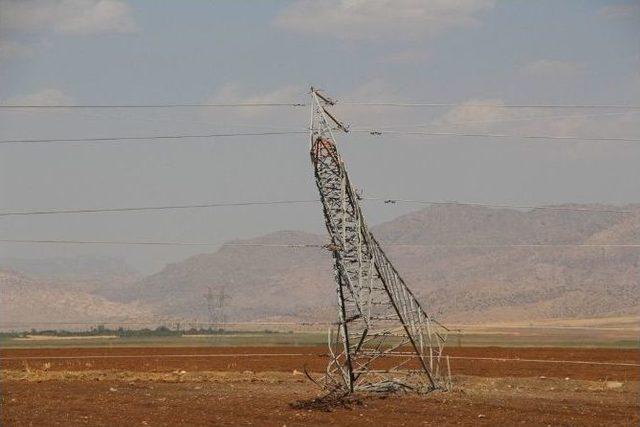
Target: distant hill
(460, 261)
(82, 273)
(264, 282)
(24, 299)
(481, 284)
(456, 271)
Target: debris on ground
(329, 402)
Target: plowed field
(259, 385)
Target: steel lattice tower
(384, 341)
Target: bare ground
(238, 390)
(166, 359)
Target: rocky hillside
(93, 274)
(263, 282)
(461, 260)
(483, 283)
(467, 263)
(29, 300)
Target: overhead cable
(150, 137)
(381, 132)
(386, 200)
(374, 132)
(307, 245)
(499, 205)
(157, 208)
(463, 104)
(124, 106)
(499, 120)
(302, 104)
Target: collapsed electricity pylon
(385, 341)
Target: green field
(242, 339)
(516, 338)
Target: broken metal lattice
(385, 341)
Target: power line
(151, 137)
(500, 205)
(108, 242)
(306, 245)
(157, 208)
(505, 120)
(519, 245)
(302, 104)
(157, 243)
(161, 322)
(376, 132)
(302, 201)
(419, 245)
(372, 131)
(508, 359)
(124, 106)
(449, 104)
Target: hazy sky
(151, 51)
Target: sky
(477, 54)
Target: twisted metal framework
(385, 341)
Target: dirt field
(259, 385)
(286, 359)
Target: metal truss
(384, 340)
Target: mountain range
(466, 263)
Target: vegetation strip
(499, 359)
(153, 356)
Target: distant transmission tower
(216, 305)
(385, 341)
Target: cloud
(42, 97)
(487, 116)
(375, 89)
(260, 117)
(297, 118)
(552, 68)
(372, 90)
(69, 17)
(380, 19)
(13, 50)
(620, 11)
(234, 92)
(407, 56)
(475, 113)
